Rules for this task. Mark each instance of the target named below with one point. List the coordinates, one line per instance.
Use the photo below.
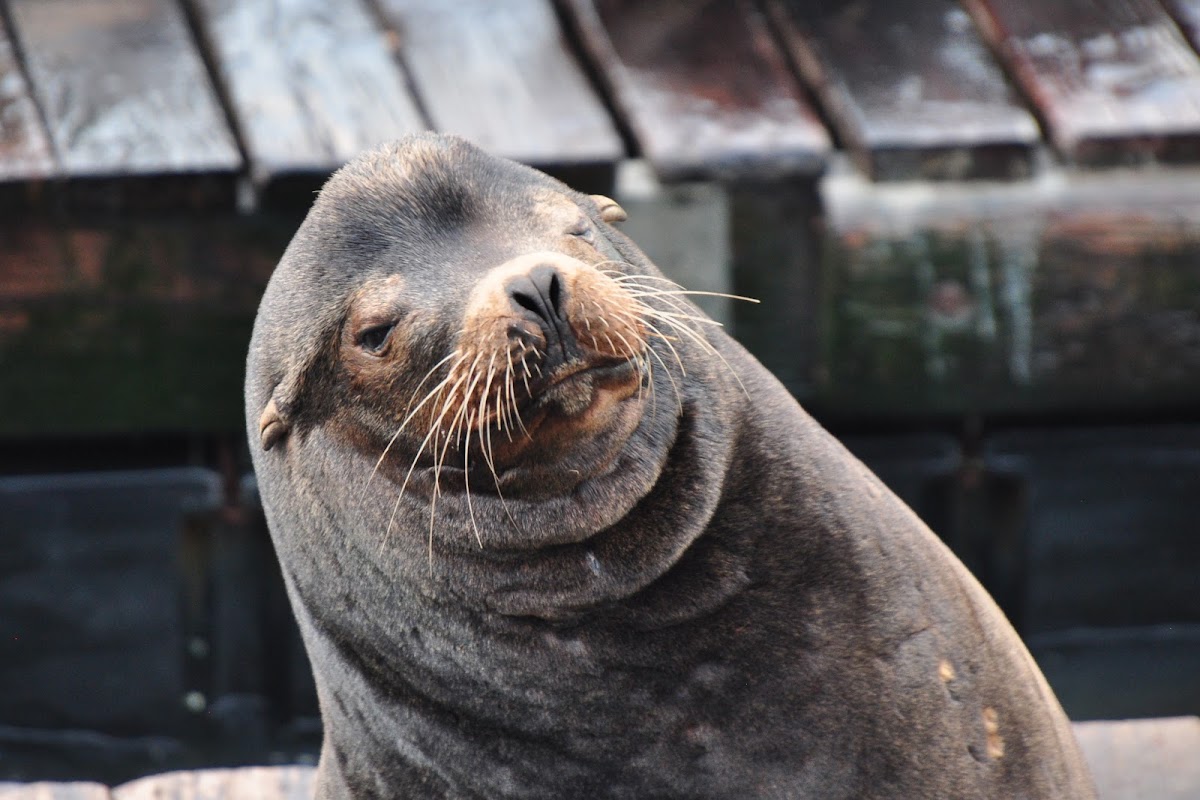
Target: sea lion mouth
(572, 389)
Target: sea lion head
(458, 353)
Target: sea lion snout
(539, 295)
(561, 312)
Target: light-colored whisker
(467, 490)
(428, 396)
(670, 378)
(708, 347)
(652, 292)
(431, 435)
(654, 329)
(674, 315)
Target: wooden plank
(247, 783)
(704, 88)
(310, 84)
(1078, 292)
(1117, 673)
(1114, 80)
(135, 325)
(910, 87)
(91, 593)
(502, 75)
(1143, 758)
(1106, 513)
(54, 791)
(775, 260)
(24, 146)
(125, 92)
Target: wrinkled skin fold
(619, 569)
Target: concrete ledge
(1130, 759)
(1143, 758)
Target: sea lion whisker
(628, 277)
(432, 515)
(512, 395)
(673, 320)
(689, 317)
(628, 347)
(432, 434)
(487, 388)
(475, 376)
(708, 347)
(509, 387)
(432, 393)
(635, 279)
(670, 377)
(517, 411)
(429, 374)
(655, 292)
(440, 459)
(682, 327)
(667, 341)
(411, 414)
(467, 491)
(421, 449)
(489, 458)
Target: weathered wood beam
(1072, 292)
(309, 84)
(503, 75)
(703, 87)
(125, 93)
(1113, 80)
(131, 327)
(910, 88)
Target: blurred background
(974, 227)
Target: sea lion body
(647, 574)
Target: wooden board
(1104, 513)
(53, 791)
(24, 147)
(91, 591)
(502, 75)
(125, 92)
(703, 87)
(1114, 80)
(910, 88)
(134, 326)
(249, 783)
(310, 83)
(1077, 292)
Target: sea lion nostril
(540, 291)
(525, 295)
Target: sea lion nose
(540, 292)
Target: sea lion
(550, 533)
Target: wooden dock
(974, 227)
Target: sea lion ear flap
(272, 426)
(610, 210)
